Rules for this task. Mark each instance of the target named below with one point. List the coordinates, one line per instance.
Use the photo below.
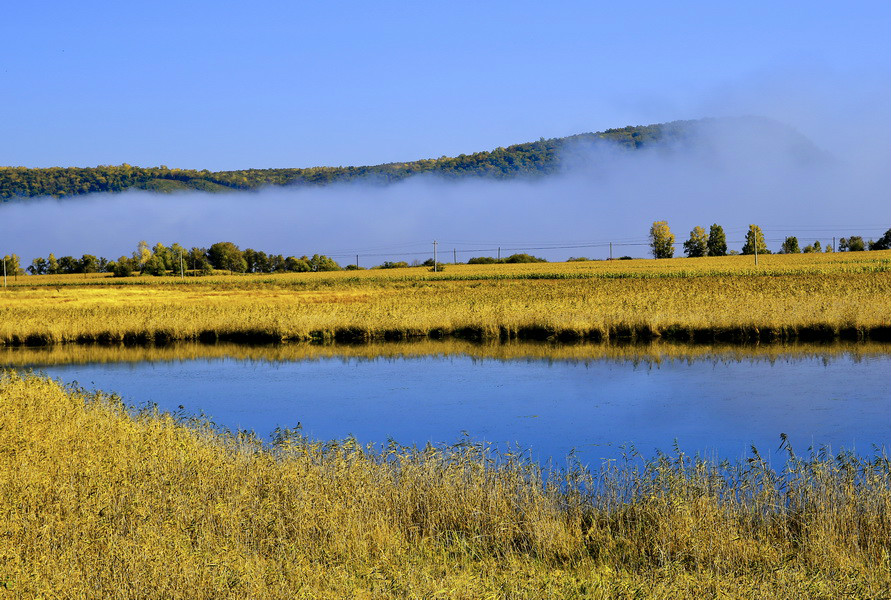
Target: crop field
(97, 501)
(806, 297)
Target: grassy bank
(97, 503)
(728, 299)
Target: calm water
(714, 407)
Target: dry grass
(98, 503)
(845, 295)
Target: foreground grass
(99, 503)
(804, 297)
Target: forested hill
(529, 159)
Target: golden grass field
(727, 299)
(99, 502)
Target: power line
(400, 249)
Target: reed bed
(99, 501)
(705, 300)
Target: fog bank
(730, 173)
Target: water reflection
(653, 353)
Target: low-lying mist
(729, 172)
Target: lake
(545, 401)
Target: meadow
(806, 297)
(99, 501)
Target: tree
(142, 254)
(661, 240)
(11, 265)
(883, 243)
(227, 256)
(717, 241)
(197, 261)
(790, 245)
(697, 245)
(277, 264)
(155, 266)
(755, 241)
(38, 266)
(89, 264)
(523, 258)
(810, 248)
(163, 254)
(124, 267)
(854, 243)
(52, 265)
(296, 265)
(320, 262)
(69, 264)
(256, 260)
(178, 256)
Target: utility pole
(357, 262)
(454, 256)
(434, 256)
(833, 244)
(182, 270)
(755, 245)
(499, 252)
(610, 250)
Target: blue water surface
(717, 408)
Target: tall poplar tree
(717, 241)
(661, 240)
(755, 240)
(697, 245)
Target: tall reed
(97, 501)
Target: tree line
(175, 259)
(160, 260)
(714, 243)
(527, 159)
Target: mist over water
(729, 173)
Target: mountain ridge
(528, 159)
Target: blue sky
(223, 85)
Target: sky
(225, 85)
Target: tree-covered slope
(521, 160)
